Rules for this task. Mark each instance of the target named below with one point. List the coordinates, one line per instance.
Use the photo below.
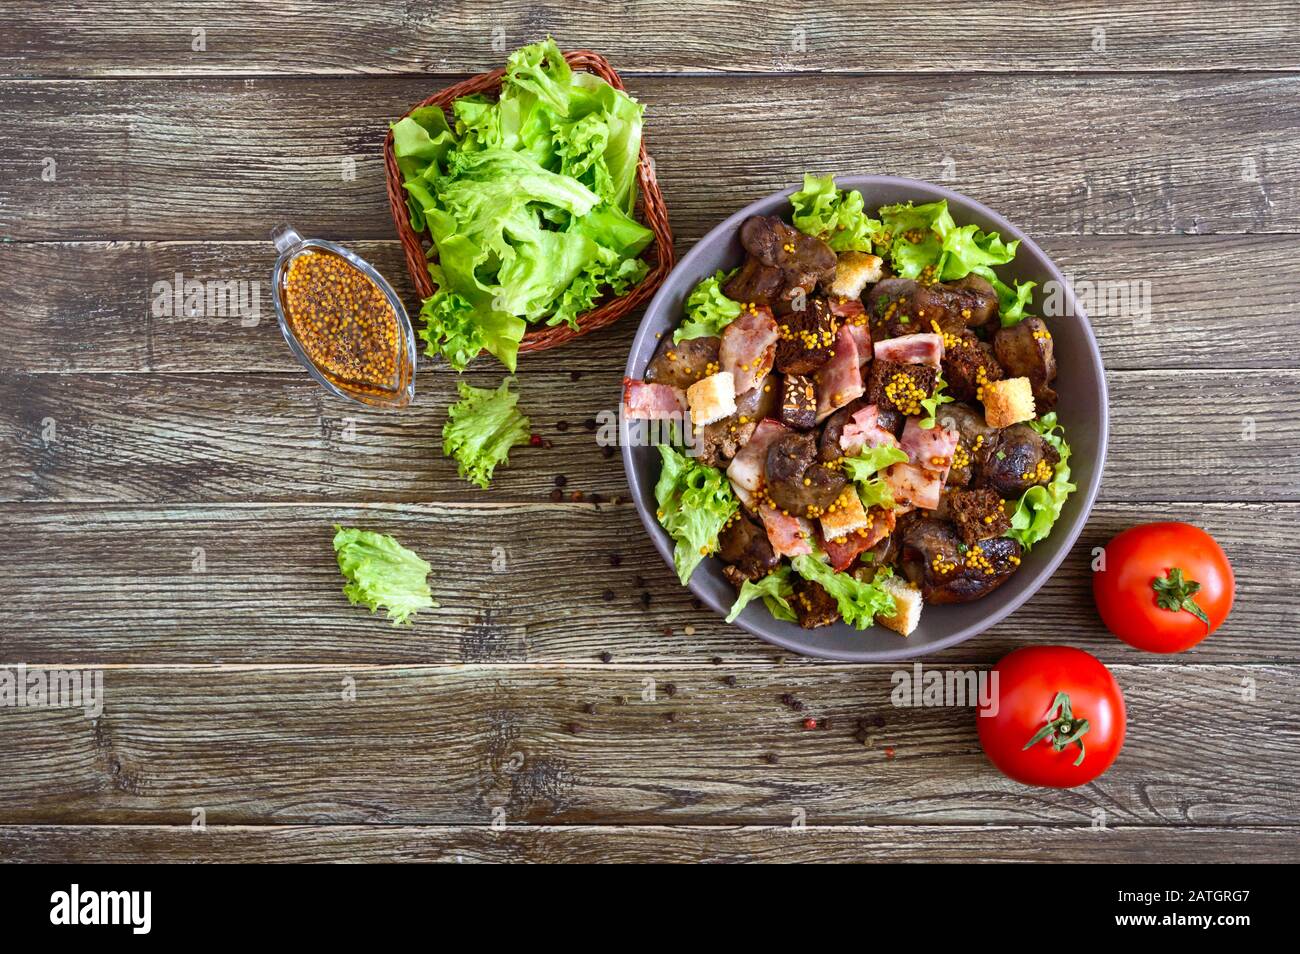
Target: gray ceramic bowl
(1082, 410)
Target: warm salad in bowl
(859, 419)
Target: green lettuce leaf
(776, 589)
(382, 572)
(921, 237)
(862, 470)
(481, 428)
(695, 503)
(1039, 507)
(934, 402)
(707, 309)
(836, 217)
(1012, 299)
(858, 602)
(458, 331)
(529, 200)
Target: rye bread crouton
(900, 387)
(978, 514)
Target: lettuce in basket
(481, 428)
(695, 503)
(776, 589)
(858, 602)
(708, 310)
(529, 200)
(382, 572)
(1036, 513)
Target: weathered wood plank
(224, 159)
(117, 37)
(632, 844)
(88, 307)
(467, 744)
(539, 583)
(1224, 435)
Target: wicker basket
(650, 210)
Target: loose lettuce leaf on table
(481, 428)
(695, 503)
(382, 573)
(1039, 507)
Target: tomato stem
(1062, 727)
(1174, 593)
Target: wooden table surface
(168, 484)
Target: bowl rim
(928, 191)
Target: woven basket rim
(650, 210)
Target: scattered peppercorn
(645, 600)
(590, 424)
(670, 690)
(574, 375)
(729, 680)
(716, 660)
(561, 426)
(573, 728)
(606, 656)
(670, 716)
(589, 708)
(607, 595)
(615, 559)
(770, 758)
(561, 480)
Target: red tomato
(1164, 586)
(1056, 717)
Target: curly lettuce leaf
(458, 331)
(776, 589)
(1039, 507)
(382, 573)
(925, 237)
(529, 201)
(836, 217)
(707, 309)
(481, 428)
(1013, 299)
(934, 402)
(695, 503)
(862, 470)
(858, 602)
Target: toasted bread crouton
(845, 516)
(854, 271)
(1008, 402)
(713, 398)
(907, 605)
